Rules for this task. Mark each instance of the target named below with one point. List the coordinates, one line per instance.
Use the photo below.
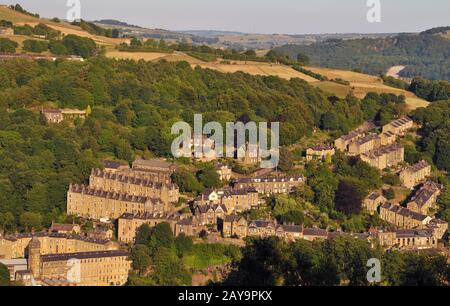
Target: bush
(391, 179)
(389, 194)
(35, 46)
(7, 45)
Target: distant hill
(116, 23)
(213, 33)
(439, 30)
(426, 54)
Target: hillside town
(120, 199)
(147, 157)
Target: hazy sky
(258, 16)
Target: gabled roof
(261, 224)
(233, 218)
(315, 232)
(291, 228)
(424, 194)
(57, 227)
(112, 164)
(205, 208)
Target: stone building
(117, 189)
(439, 228)
(320, 152)
(399, 126)
(385, 238)
(388, 138)
(98, 204)
(312, 234)
(127, 183)
(234, 226)
(113, 166)
(210, 214)
(271, 185)
(426, 198)
(235, 200)
(415, 174)
(410, 239)
(343, 142)
(65, 228)
(97, 268)
(190, 227)
(403, 217)
(128, 224)
(71, 114)
(52, 115)
(55, 115)
(289, 232)
(15, 266)
(156, 170)
(52, 243)
(385, 156)
(373, 201)
(415, 239)
(364, 144)
(261, 228)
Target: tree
(389, 193)
(124, 114)
(286, 160)
(4, 276)
(183, 244)
(31, 221)
(309, 267)
(35, 46)
(425, 270)
(7, 45)
(161, 237)
(57, 47)
(209, 177)
(302, 59)
(169, 269)
(349, 196)
(350, 257)
(391, 179)
(123, 150)
(141, 258)
(186, 181)
(287, 210)
(263, 257)
(143, 234)
(82, 46)
(7, 222)
(324, 184)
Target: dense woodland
(342, 260)
(159, 259)
(424, 54)
(133, 107)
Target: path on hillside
(394, 71)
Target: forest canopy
(424, 55)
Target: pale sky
(258, 16)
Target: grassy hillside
(426, 55)
(64, 27)
(361, 84)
